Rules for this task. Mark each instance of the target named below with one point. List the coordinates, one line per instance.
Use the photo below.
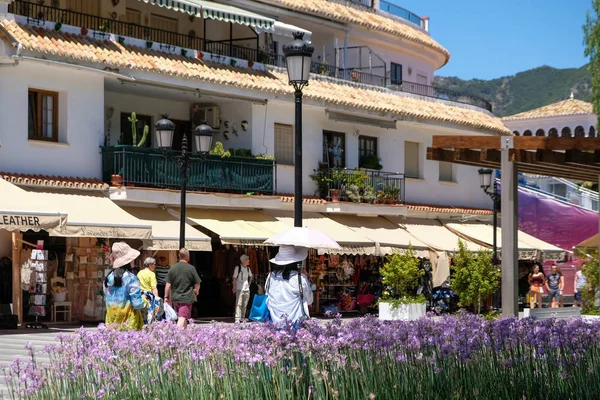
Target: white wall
(81, 101)
(533, 124)
(429, 190)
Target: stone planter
(404, 312)
(116, 180)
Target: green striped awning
(220, 12)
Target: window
(163, 23)
(540, 132)
(396, 74)
(284, 144)
(527, 133)
(127, 133)
(367, 152)
(334, 149)
(566, 132)
(553, 132)
(446, 172)
(579, 131)
(411, 160)
(592, 132)
(43, 115)
(133, 16)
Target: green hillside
(526, 90)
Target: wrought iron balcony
(360, 185)
(147, 167)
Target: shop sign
(20, 220)
(174, 245)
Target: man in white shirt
(242, 277)
(580, 284)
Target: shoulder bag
(259, 311)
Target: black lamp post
(203, 135)
(485, 176)
(298, 57)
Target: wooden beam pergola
(573, 158)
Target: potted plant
(116, 180)
(323, 67)
(391, 194)
(371, 161)
(355, 75)
(335, 195)
(321, 178)
(401, 274)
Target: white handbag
(89, 308)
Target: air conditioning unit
(209, 113)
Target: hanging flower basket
(149, 44)
(116, 180)
(84, 31)
(184, 52)
(57, 26)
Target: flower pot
(59, 297)
(404, 312)
(335, 195)
(250, 64)
(322, 165)
(116, 180)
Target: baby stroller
(155, 310)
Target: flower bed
(459, 357)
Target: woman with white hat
(289, 292)
(122, 291)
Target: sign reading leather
(20, 220)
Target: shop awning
(165, 231)
(279, 28)
(220, 12)
(590, 243)
(350, 241)
(434, 234)
(91, 215)
(22, 211)
(529, 246)
(239, 227)
(388, 236)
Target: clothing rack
(38, 287)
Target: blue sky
(493, 38)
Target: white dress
(283, 299)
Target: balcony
(147, 167)
(360, 185)
(399, 12)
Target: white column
(509, 224)
(4, 6)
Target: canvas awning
(165, 231)
(220, 12)
(22, 211)
(529, 246)
(239, 227)
(388, 236)
(280, 28)
(435, 235)
(350, 241)
(590, 243)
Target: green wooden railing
(155, 168)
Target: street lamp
(203, 135)
(298, 57)
(485, 178)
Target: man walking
(555, 284)
(183, 285)
(242, 276)
(161, 270)
(580, 286)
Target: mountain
(526, 90)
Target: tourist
(147, 277)
(580, 285)
(287, 298)
(536, 285)
(242, 277)
(555, 284)
(161, 271)
(183, 285)
(122, 290)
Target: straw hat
(290, 254)
(122, 254)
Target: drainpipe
(346, 55)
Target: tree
(591, 29)
(474, 278)
(401, 272)
(590, 271)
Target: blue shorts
(578, 296)
(554, 294)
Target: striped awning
(220, 12)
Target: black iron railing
(362, 186)
(150, 168)
(40, 12)
(231, 50)
(442, 94)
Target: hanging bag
(259, 311)
(89, 308)
(365, 299)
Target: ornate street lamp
(485, 178)
(298, 57)
(203, 135)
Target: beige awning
(388, 236)
(350, 241)
(435, 235)
(590, 243)
(165, 231)
(22, 211)
(240, 227)
(528, 245)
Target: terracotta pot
(116, 180)
(250, 64)
(335, 195)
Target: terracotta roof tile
(565, 107)
(305, 200)
(346, 95)
(448, 209)
(60, 182)
(346, 12)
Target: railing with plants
(231, 50)
(148, 167)
(359, 185)
(39, 12)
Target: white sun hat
(122, 254)
(290, 254)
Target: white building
(73, 71)
(566, 118)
